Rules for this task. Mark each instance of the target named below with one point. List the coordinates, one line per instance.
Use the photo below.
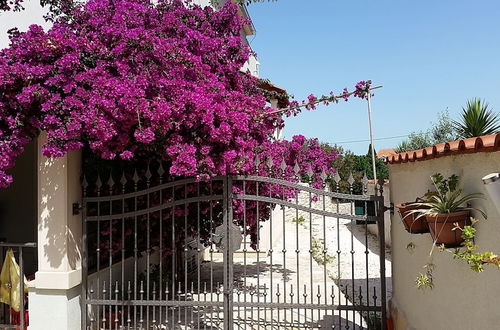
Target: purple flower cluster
(362, 89)
(128, 75)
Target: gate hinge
(389, 208)
(76, 208)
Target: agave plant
(477, 119)
(447, 198)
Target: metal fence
(235, 252)
(10, 319)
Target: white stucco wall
(461, 298)
(54, 295)
(373, 228)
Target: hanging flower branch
(361, 90)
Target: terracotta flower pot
(411, 223)
(441, 227)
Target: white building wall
(461, 299)
(54, 297)
(203, 3)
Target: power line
(368, 140)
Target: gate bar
(381, 235)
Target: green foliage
(345, 165)
(364, 164)
(445, 185)
(477, 119)
(468, 253)
(319, 253)
(425, 280)
(441, 131)
(447, 198)
(475, 260)
(416, 140)
(55, 8)
(300, 220)
(358, 165)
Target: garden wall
(461, 298)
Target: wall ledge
(57, 280)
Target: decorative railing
(9, 318)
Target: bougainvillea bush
(126, 75)
(121, 77)
(135, 79)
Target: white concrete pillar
(54, 298)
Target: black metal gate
(235, 252)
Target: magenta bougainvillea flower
(123, 76)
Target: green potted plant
(411, 221)
(445, 209)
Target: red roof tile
(386, 153)
(486, 143)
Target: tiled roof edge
(486, 143)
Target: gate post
(55, 297)
(381, 234)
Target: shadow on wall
(56, 187)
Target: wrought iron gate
(235, 252)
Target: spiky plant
(477, 119)
(447, 198)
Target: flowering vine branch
(361, 91)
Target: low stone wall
(461, 298)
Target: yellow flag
(9, 282)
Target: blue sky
(428, 55)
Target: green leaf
(477, 120)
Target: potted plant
(411, 221)
(445, 209)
